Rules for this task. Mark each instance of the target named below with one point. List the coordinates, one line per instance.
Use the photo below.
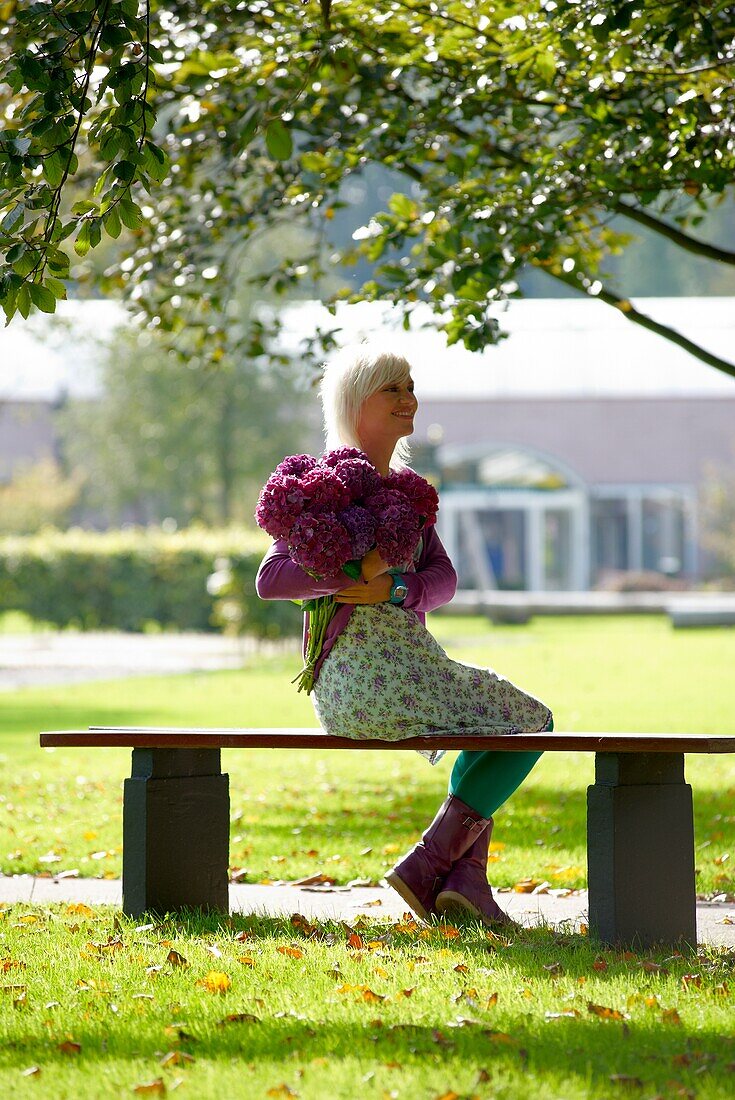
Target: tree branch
(630, 313)
(683, 240)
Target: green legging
(485, 780)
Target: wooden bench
(640, 832)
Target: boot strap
(472, 823)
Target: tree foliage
(521, 128)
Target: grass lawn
(92, 1005)
(347, 815)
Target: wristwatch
(399, 590)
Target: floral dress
(387, 677)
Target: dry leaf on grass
(670, 1016)
(627, 1080)
(691, 980)
(354, 942)
(567, 1014)
(216, 981)
(239, 1018)
(176, 959)
(599, 964)
(606, 1013)
(69, 1047)
(282, 1090)
(79, 909)
(291, 952)
(31, 1071)
(152, 1088)
(176, 1058)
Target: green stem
(319, 619)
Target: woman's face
(387, 414)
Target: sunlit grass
(347, 815)
(95, 1005)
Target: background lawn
(348, 815)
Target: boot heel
(408, 896)
(451, 902)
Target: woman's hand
(373, 565)
(376, 590)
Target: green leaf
(84, 207)
(81, 244)
(278, 140)
(12, 218)
(112, 222)
(56, 287)
(24, 300)
(130, 214)
(24, 264)
(353, 569)
(53, 167)
(545, 65)
(402, 206)
(43, 298)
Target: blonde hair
(353, 375)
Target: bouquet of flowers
(332, 511)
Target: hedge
(130, 579)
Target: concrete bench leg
(640, 850)
(176, 831)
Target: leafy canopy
(521, 129)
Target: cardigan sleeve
(435, 580)
(279, 578)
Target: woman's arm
(435, 580)
(279, 578)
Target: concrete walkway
(715, 920)
(69, 657)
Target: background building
(574, 451)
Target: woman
(382, 675)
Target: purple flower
(319, 544)
(323, 490)
(361, 525)
(359, 477)
(296, 465)
(421, 495)
(280, 503)
(398, 525)
(331, 458)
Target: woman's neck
(380, 458)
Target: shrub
(133, 578)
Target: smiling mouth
(404, 416)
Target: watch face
(399, 592)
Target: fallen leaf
(316, 880)
(627, 1080)
(31, 1071)
(461, 968)
(246, 960)
(354, 942)
(605, 1013)
(526, 886)
(292, 952)
(240, 937)
(450, 932)
(70, 1047)
(176, 1058)
(176, 959)
(555, 969)
(281, 1090)
(492, 1000)
(239, 1018)
(406, 992)
(213, 950)
(670, 1016)
(688, 980)
(78, 909)
(652, 967)
(215, 982)
(568, 1013)
(448, 1096)
(371, 997)
(157, 1087)
(599, 964)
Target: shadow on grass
(514, 1039)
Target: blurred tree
(38, 496)
(188, 430)
(525, 128)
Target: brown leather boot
(466, 889)
(420, 875)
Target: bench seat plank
(310, 738)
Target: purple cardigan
(433, 583)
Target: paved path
(715, 920)
(66, 657)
